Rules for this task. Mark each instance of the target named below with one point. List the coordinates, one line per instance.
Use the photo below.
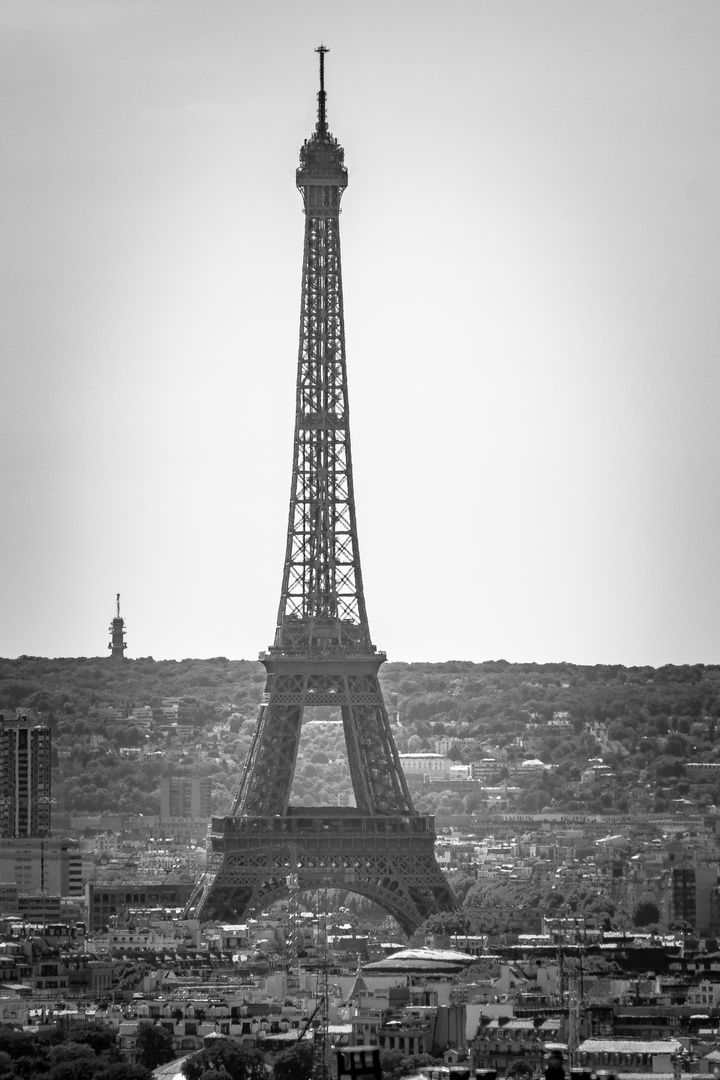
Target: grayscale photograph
(270, 810)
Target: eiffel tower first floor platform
(257, 860)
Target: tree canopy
(227, 1057)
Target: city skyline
(530, 259)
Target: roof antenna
(321, 127)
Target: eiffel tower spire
(322, 653)
(321, 126)
(322, 606)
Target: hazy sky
(531, 271)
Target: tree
(72, 1061)
(15, 1043)
(666, 767)
(30, 1065)
(295, 1063)
(391, 1064)
(99, 1037)
(646, 913)
(226, 1056)
(677, 745)
(447, 922)
(472, 802)
(461, 886)
(154, 1044)
(520, 1069)
(78, 1068)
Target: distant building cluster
(95, 915)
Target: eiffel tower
(322, 652)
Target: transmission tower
(117, 643)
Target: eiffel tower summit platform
(322, 653)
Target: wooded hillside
(644, 723)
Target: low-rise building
(628, 1055)
(430, 765)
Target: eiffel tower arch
(322, 652)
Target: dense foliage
(644, 723)
(225, 1056)
(154, 1044)
(295, 1063)
(83, 1052)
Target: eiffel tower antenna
(321, 126)
(322, 651)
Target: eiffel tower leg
(268, 774)
(377, 776)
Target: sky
(531, 269)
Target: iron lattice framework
(322, 653)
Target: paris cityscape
(333, 860)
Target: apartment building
(25, 782)
(185, 797)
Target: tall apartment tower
(25, 778)
(117, 644)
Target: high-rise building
(25, 778)
(185, 797)
(683, 893)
